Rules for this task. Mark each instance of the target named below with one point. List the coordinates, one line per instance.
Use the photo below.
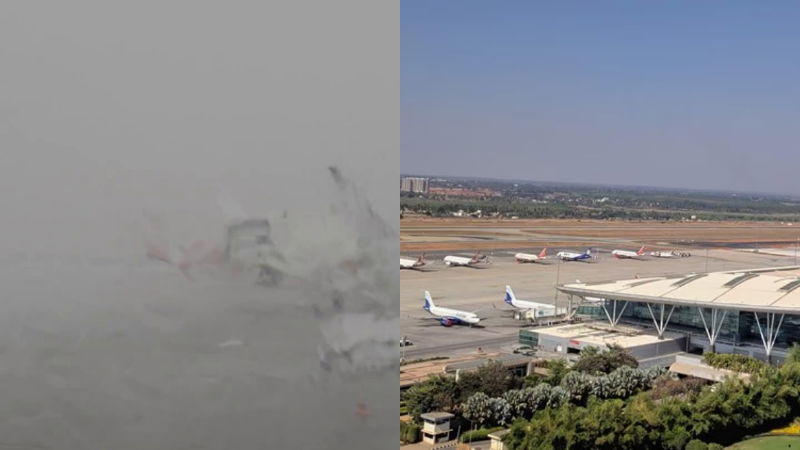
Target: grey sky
(110, 107)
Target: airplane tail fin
(421, 259)
(428, 301)
(509, 295)
(588, 251)
(641, 251)
(543, 253)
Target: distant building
(414, 184)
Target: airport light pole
(558, 271)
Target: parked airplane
(621, 254)
(463, 261)
(529, 258)
(406, 263)
(449, 317)
(538, 309)
(572, 256)
(664, 254)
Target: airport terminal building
(751, 312)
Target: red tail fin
(543, 253)
(641, 251)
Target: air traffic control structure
(751, 312)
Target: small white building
(436, 427)
(497, 440)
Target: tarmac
(482, 289)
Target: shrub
(737, 363)
(620, 383)
(669, 387)
(696, 444)
(409, 432)
(558, 369)
(487, 411)
(793, 356)
(480, 434)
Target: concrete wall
(667, 346)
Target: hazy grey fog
(110, 112)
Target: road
(449, 348)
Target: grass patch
(415, 361)
(768, 443)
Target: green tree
(793, 356)
(438, 393)
(487, 411)
(557, 368)
(493, 379)
(594, 360)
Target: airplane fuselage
(571, 256)
(627, 253)
(448, 316)
(410, 263)
(526, 257)
(460, 261)
(454, 315)
(663, 254)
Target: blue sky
(681, 94)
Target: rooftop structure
(693, 366)
(643, 343)
(436, 427)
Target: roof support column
(772, 331)
(661, 323)
(716, 324)
(573, 309)
(613, 318)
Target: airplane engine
(446, 322)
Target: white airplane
(572, 256)
(463, 261)
(406, 263)
(529, 258)
(664, 254)
(622, 254)
(538, 309)
(447, 316)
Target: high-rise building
(414, 184)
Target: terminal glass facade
(738, 327)
(528, 337)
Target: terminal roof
(773, 290)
